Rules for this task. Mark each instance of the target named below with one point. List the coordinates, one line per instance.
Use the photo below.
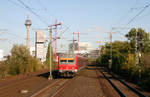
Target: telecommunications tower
(28, 25)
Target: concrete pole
(110, 61)
(78, 43)
(50, 49)
(73, 46)
(28, 39)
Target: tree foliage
(124, 60)
(132, 36)
(20, 61)
(47, 62)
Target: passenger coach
(69, 65)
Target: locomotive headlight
(75, 70)
(60, 70)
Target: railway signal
(139, 41)
(139, 38)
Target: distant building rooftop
(84, 47)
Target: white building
(1, 55)
(40, 46)
(84, 47)
(32, 51)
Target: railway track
(131, 88)
(53, 89)
(123, 89)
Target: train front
(67, 66)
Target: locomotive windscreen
(70, 60)
(63, 61)
(67, 60)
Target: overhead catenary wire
(30, 9)
(25, 6)
(138, 14)
(131, 10)
(44, 7)
(127, 13)
(40, 3)
(15, 3)
(63, 31)
(5, 31)
(142, 17)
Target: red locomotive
(69, 65)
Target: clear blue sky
(93, 17)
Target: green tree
(124, 60)
(119, 54)
(21, 62)
(47, 62)
(131, 36)
(3, 70)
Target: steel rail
(44, 89)
(63, 87)
(99, 81)
(58, 89)
(131, 88)
(113, 85)
(125, 84)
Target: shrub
(21, 62)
